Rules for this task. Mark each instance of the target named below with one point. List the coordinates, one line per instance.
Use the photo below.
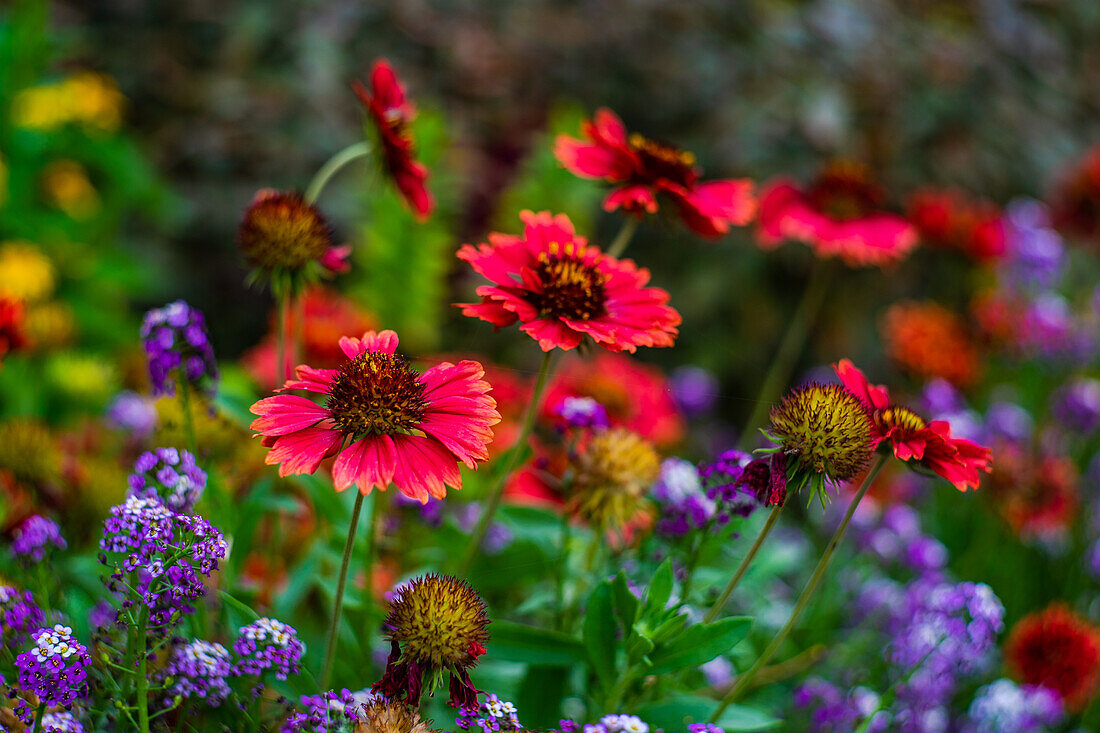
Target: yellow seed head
(439, 622)
(824, 429)
(613, 476)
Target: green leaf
(700, 644)
(660, 589)
(240, 606)
(512, 642)
(669, 629)
(540, 696)
(738, 718)
(626, 603)
(599, 634)
(677, 712)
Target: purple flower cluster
(34, 538)
(694, 389)
(897, 538)
(727, 484)
(268, 644)
(838, 711)
(1007, 421)
(19, 614)
(1036, 255)
(583, 413)
(176, 340)
(61, 722)
(1076, 406)
(171, 475)
(1005, 707)
(54, 669)
(132, 413)
(942, 401)
(618, 724)
(490, 716)
(199, 669)
(685, 506)
(325, 713)
(166, 552)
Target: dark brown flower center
(664, 161)
(845, 191)
(376, 394)
(571, 288)
(899, 417)
(282, 230)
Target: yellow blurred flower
(49, 325)
(25, 272)
(66, 186)
(29, 450)
(82, 376)
(87, 98)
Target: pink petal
(385, 341)
(424, 468)
(303, 451)
(369, 463)
(285, 414)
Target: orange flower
(927, 340)
(952, 220)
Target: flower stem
(745, 680)
(338, 604)
(789, 348)
(497, 490)
(188, 418)
(41, 711)
(374, 519)
(332, 166)
(297, 331)
(142, 676)
(282, 329)
(622, 239)
(745, 562)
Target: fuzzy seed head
(439, 622)
(613, 476)
(824, 429)
(282, 231)
(385, 716)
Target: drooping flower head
(640, 170)
(929, 444)
(436, 625)
(178, 347)
(19, 615)
(929, 341)
(562, 290)
(55, 668)
(838, 215)
(1058, 649)
(287, 241)
(391, 112)
(823, 433)
(170, 475)
(268, 644)
(613, 473)
(382, 420)
(199, 669)
(35, 537)
(955, 221)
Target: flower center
(439, 621)
(376, 394)
(282, 230)
(899, 417)
(570, 288)
(664, 161)
(844, 191)
(825, 428)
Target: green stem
(745, 562)
(374, 520)
(142, 672)
(338, 604)
(299, 328)
(188, 418)
(38, 716)
(789, 349)
(497, 490)
(332, 166)
(622, 239)
(566, 534)
(281, 332)
(745, 680)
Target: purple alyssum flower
(130, 412)
(618, 723)
(19, 615)
(833, 710)
(268, 644)
(732, 480)
(199, 669)
(178, 346)
(1008, 421)
(54, 669)
(685, 506)
(171, 475)
(35, 537)
(1005, 707)
(1036, 254)
(1077, 406)
(490, 716)
(327, 712)
(61, 722)
(582, 413)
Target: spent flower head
(613, 474)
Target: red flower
(1036, 494)
(562, 290)
(931, 444)
(951, 220)
(12, 336)
(383, 421)
(1076, 204)
(641, 169)
(837, 216)
(392, 112)
(1059, 649)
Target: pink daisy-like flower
(561, 289)
(838, 215)
(641, 169)
(384, 422)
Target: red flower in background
(930, 444)
(927, 340)
(1058, 649)
(1036, 494)
(563, 290)
(838, 215)
(636, 396)
(951, 220)
(1075, 206)
(392, 112)
(642, 169)
(12, 336)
